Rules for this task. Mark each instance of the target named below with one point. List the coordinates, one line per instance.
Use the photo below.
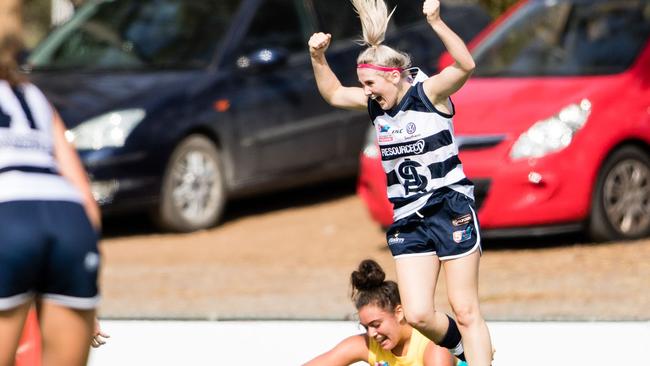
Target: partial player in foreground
(435, 221)
(389, 339)
(50, 225)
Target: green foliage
(36, 20)
(497, 7)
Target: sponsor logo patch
(395, 239)
(414, 148)
(459, 221)
(410, 128)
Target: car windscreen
(130, 34)
(556, 38)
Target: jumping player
(50, 224)
(434, 216)
(389, 339)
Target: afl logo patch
(91, 262)
(462, 235)
(410, 128)
(459, 221)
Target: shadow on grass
(536, 242)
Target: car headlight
(552, 134)
(107, 130)
(370, 148)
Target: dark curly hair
(370, 287)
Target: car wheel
(193, 193)
(621, 202)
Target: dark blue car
(177, 106)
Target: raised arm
(440, 86)
(328, 84)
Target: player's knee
(420, 319)
(467, 315)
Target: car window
(406, 12)
(126, 34)
(560, 38)
(276, 24)
(339, 18)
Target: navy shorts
(447, 227)
(48, 249)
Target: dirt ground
(289, 255)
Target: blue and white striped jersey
(418, 152)
(28, 168)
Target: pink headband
(379, 68)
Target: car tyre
(192, 194)
(620, 206)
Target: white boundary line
(285, 343)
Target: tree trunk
(10, 17)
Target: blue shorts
(48, 249)
(447, 227)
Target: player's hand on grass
(99, 337)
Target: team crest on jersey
(383, 128)
(462, 235)
(413, 181)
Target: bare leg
(462, 288)
(11, 328)
(416, 278)
(66, 334)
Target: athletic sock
(452, 340)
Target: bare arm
(328, 84)
(440, 86)
(71, 168)
(349, 351)
(435, 355)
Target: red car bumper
(541, 193)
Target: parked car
(178, 106)
(554, 125)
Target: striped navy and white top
(418, 152)
(28, 169)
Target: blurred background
(230, 190)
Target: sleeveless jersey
(414, 356)
(28, 168)
(419, 153)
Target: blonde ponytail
(374, 18)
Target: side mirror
(263, 59)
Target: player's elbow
(467, 66)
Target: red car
(554, 125)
